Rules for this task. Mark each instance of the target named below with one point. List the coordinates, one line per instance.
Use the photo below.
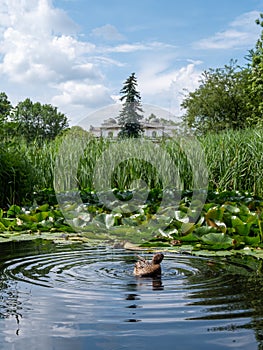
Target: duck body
(144, 268)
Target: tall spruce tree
(131, 113)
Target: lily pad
(217, 240)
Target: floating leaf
(231, 208)
(217, 240)
(215, 213)
(187, 227)
(239, 226)
(203, 230)
(13, 211)
(44, 207)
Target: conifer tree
(131, 113)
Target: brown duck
(144, 268)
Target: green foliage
(222, 225)
(256, 79)
(234, 160)
(5, 107)
(36, 121)
(131, 129)
(130, 114)
(221, 101)
(229, 97)
(16, 175)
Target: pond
(86, 297)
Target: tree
(221, 100)
(5, 107)
(36, 121)
(130, 115)
(256, 79)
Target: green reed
(233, 159)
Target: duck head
(157, 258)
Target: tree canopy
(221, 101)
(31, 120)
(228, 97)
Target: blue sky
(76, 54)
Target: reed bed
(235, 160)
(232, 160)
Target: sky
(76, 54)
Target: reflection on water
(83, 297)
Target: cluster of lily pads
(226, 220)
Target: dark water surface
(55, 297)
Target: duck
(145, 268)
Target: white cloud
(39, 47)
(82, 93)
(128, 48)
(107, 32)
(164, 87)
(240, 33)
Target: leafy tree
(36, 121)
(221, 100)
(130, 115)
(256, 79)
(5, 107)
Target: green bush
(16, 176)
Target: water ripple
(91, 286)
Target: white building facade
(152, 129)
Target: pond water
(82, 297)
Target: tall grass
(234, 160)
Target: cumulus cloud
(82, 93)
(39, 45)
(36, 45)
(240, 33)
(163, 86)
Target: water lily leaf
(203, 230)
(25, 217)
(129, 222)
(252, 241)
(231, 208)
(215, 214)
(40, 216)
(187, 227)
(217, 240)
(13, 211)
(43, 207)
(240, 227)
(190, 237)
(208, 206)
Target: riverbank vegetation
(230, 218)
(225, 115)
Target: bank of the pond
(228, 222)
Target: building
(153, 128)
